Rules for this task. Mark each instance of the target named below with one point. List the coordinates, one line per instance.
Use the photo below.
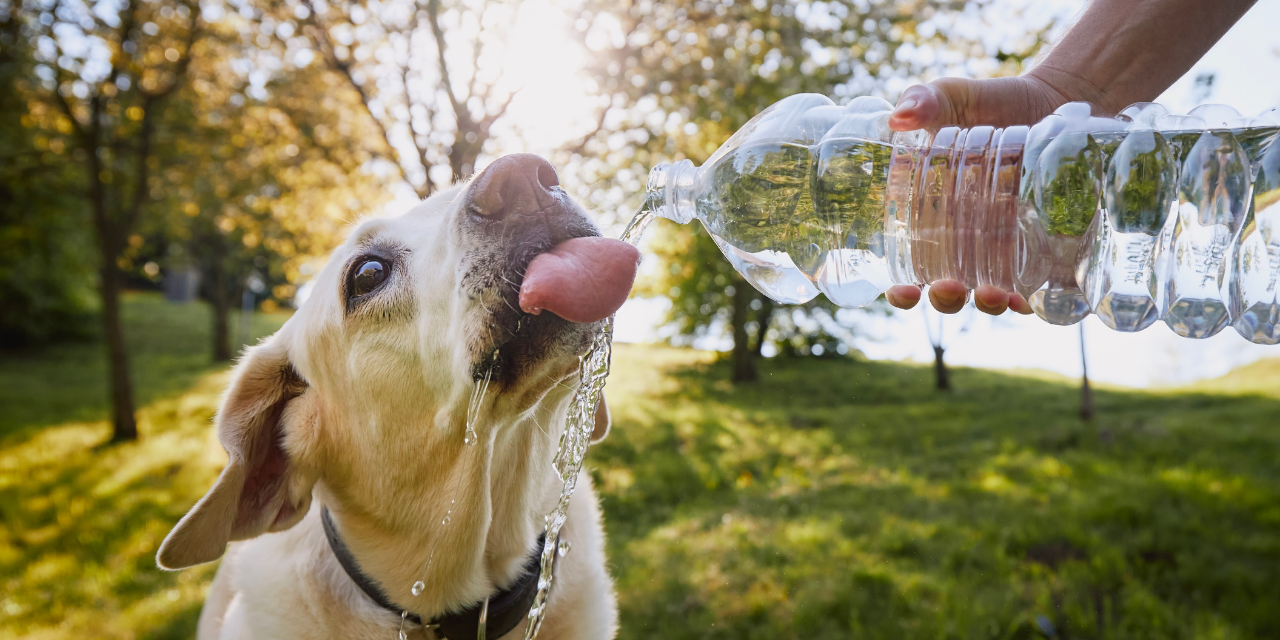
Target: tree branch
(407, 33)
(183, 62)
(321, 37)
(489, 119)
(473, 87)
(578, 146)
(437, 32)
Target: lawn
(832, 499)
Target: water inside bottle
(750, 209)
(799, 221)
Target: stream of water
(570, 453)
(579, 423)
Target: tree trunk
(1086, 393)
(940, 369)
(124, 425)
(221, 304)
(764, 317)
(744, 363)
(463, 154)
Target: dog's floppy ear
(260, 490)
(603, 420)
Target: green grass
(838, 499)
(81, 521)
(833, 499)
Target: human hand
(967, 103)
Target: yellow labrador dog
(353, 492)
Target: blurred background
(173, 173)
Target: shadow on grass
(81, 525)
(82, 522)
(840, 499)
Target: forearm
(1126, 51)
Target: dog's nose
(514, 185)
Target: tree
(427, 73)
(682, 76)
(44, 274)
(707, 295)
(108, 70)
(269, 174)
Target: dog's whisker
(508, 303)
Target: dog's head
(411, 318)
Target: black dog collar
(505, 610)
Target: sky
(552, 107)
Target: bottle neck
(670, 191)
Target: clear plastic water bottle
(1136, 217)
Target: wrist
(1060, 86)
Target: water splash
(473, 406)
(593, 369)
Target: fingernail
(948, 298)
(905, 106)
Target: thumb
(998, 102)
(919, 107)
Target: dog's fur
(361, 404)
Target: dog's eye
(368, 274)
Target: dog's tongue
(581, 280)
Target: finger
(991, 299)
(917, 109)
(1018, 304)
(903, 296)
(948, 296)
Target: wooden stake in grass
(1086, 393)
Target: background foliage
(832, 498)
(46, 290)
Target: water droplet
(417, 588)
(564, 547)
(447, 520)
(403, 635)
